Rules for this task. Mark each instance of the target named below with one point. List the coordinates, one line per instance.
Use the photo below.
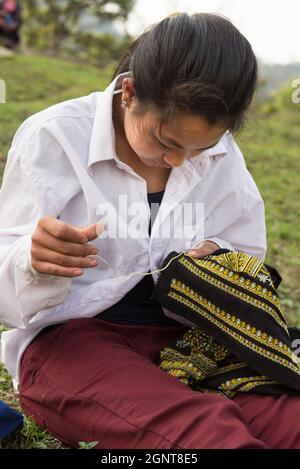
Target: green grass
(271, 146)
(34, 83)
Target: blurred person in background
(10, 22)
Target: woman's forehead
(192, 130)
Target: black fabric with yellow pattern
(239, 340)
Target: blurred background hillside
(81, 27)
(70, 48)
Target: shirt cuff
(24, 263)
(32, 271)
(36, 291)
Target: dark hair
(199, 64)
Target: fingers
(197, 253)
(63, 247)
(58, 271)
(64, 231)
(60, 265)
(203, 249)
(53, 257)
(93, 231)
(198, 250)
(59, 248)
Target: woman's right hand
(58, 248)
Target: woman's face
(167, 144)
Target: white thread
(133, 273)
(95, 256)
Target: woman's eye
(164, 146)
(161, 144)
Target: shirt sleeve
(248, 232)
(24, 199)
(240, 209)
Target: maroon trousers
(95, 380)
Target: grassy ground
(270, 143)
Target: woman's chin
(154, 163)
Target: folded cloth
(239, 340)
(10, 419)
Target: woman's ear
(128, 90)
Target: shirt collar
(202, 163)
(102, 145)
(217, 151)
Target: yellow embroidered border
(232, 276)
(199, 342)
(228, 368)
(248, 382)
(176, 358)
(238, 294)
(247, 343)
(232, 320)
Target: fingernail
(77, 272)
(93, 262)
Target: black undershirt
(136, 307)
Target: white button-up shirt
(63, 163)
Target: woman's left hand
(203, 249)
